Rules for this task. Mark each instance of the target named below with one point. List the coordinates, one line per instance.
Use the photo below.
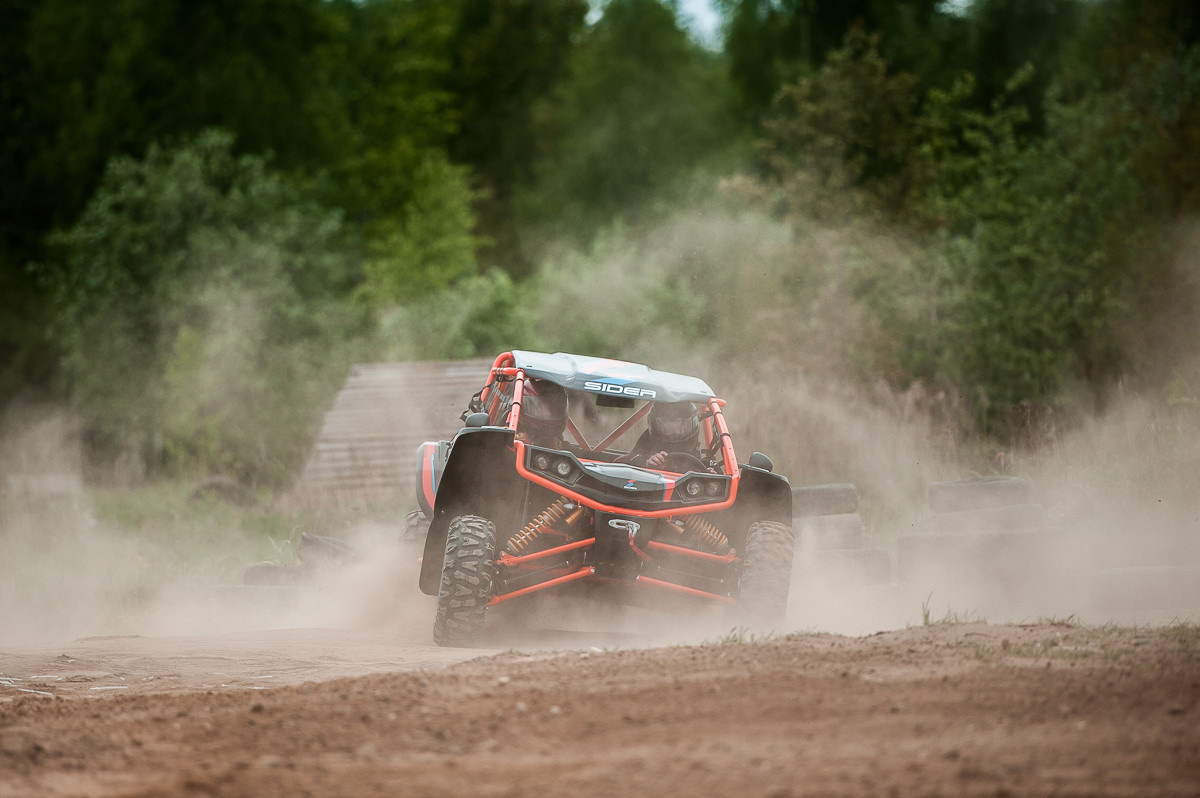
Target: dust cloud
(65, 575)
(1118, 542)
(1106, 530)
(1109, 533)
(1107, 527)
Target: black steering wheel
(681, 462)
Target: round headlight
(713, 488)
(693, 488)
(541, 462)
(563, 467)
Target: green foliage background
(210, 211)
(196, 312)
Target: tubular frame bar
(626, 425)
(729, 557)
(583, 573)
(520, 559)
(578, 435)
(691, 591)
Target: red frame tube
(497, 368)
(582, 573)
(518, 559)
(728, 557)
(691, 591)
(726, 442)
(514, 415)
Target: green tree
(773, 43)
(1023, 271)
(1134, 68)
(766, 44)
(111, 79)
(1148, 52)
(399, 187)
(196, 315)
(844, 134)
(1052, 240)
(1007, 35)
(477, 317)
(508, 55)
(428, 245)
(642, 108)
(82, 82)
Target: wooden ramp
(366, 450)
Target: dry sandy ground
(946, 709)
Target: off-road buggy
(508, 518)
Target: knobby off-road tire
(468, 581)
(766, 574)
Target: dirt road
(947, 709)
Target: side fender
(768, 496)
(762, 496)
(479, 478)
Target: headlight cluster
(556, 466)
(704, 488)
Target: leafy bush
(842, 132)
(477, 317)
(427, 247)
(1027, 258)
(198, 313)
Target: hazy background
(909, 241)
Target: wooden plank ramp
(365, 452)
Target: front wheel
(766, 574)
(468, 581)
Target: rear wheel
(468, 581)
(766, 574)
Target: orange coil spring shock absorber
(706, 532)
(530, 532)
